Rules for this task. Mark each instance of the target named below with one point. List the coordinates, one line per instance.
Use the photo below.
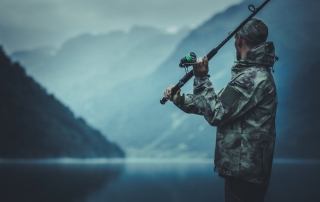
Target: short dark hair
(251, 44)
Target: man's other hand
(167, 94)
(201, 68)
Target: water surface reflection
(144, 180)
(54, 181)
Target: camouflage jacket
(244, 112)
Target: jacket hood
(262, 54)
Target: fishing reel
(188, 60)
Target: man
(244, 112)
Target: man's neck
(244, 51)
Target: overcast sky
(27, 24)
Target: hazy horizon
(27, 25)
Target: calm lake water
(143, 180)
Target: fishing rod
(191, 58)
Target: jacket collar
(261, 55)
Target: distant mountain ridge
(34, 124)
(128, 105)
(87, 67)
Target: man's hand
(201, 68)
(167, 94)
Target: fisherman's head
(253, 33)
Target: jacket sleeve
(237, 97)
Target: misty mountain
(123, 100)
(34, 124)
(88, 66)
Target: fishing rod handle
(178, 86)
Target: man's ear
(239, 41)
